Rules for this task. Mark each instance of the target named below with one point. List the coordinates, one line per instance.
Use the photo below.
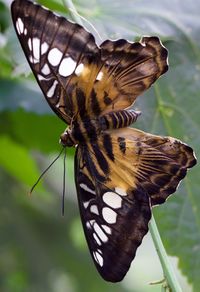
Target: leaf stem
(70, 5)
(168, 271)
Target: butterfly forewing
(57, 50)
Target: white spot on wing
(55, 56)
(121, 192)
(85, 204)
(67, 67)
(30, 44)
(112, 200)
(98, 258)
(51, 91)
(96, 239)
(33, 60)
(89, 224)
(40, 77)
(100, 232)
(79, 69)
(99, 76)
(44, 48)
(87, 189)
(92, 222)
(94, 209)
(45, 70)
(107, 229)
(17, 27)
(25, 31)
(94, 255)
(109, 215)
(36, 49)
(20, 26)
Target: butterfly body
(86, 129)
(120, 172)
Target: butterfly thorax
(85, 129)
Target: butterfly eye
(66, 140)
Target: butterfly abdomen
(118, 119)
(88, 129)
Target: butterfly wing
(76, 76)
(113, 230)
(128, 70)
(56, 50)
(118, 179)
(156, 163)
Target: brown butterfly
(120, 172)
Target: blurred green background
(39, 249)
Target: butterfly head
(66, 138)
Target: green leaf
(33, 131)
(3, 17)
(25, 94)
(54, 5)
(17, 161)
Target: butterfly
(120, 172)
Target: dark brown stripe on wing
(77, 133)
(95, 104)
(90, 164)
(107, 144)
(80, 96)
(102, 162)
(68, 101)
(90, 129)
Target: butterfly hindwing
(156, 163)
(114, 221)
(117, 188)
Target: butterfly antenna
(64, 183)
(46, 171)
